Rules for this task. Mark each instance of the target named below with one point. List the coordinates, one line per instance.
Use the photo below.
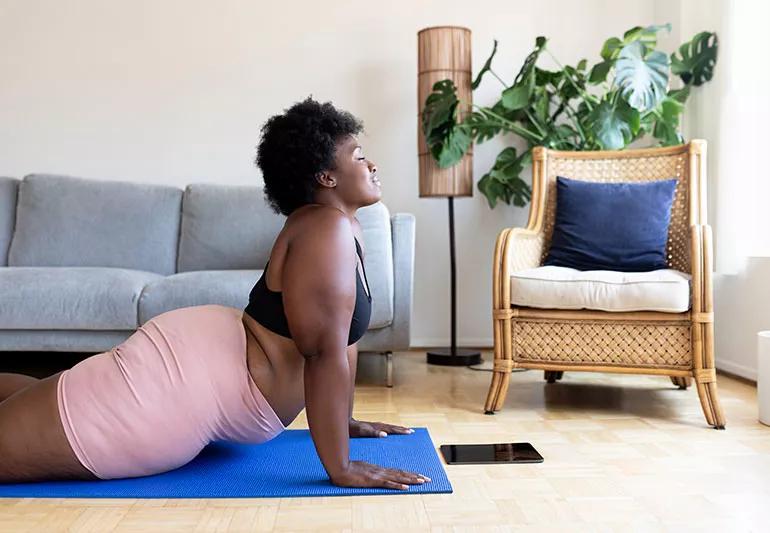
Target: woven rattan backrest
(627, 166)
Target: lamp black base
(444, 357)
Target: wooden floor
(622, 453)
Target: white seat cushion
(553, 287)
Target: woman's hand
(361, 474)
(359, 428)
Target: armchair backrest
(686, 162)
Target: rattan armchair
(679, 345)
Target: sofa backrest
(8, 189)
(68, 221)
(226, 227)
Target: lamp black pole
(453, 356)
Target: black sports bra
(266, 306)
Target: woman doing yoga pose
(197, 374)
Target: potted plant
(620, 99)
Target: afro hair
(296, 146)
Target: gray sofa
(85, 262)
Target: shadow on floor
(40, 364)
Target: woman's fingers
(406, 477)
(393, 485)
(397, 429)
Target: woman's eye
(361, 158)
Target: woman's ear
(325, 179)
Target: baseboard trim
(484, 343)
(737, 369)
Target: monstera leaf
(503, 181)
(438, 116)
(647, 36)
(518, 96)
(667, 121)
(641, 76)
(453, 148)
(698, 57)
(486, 68)
(614, 124)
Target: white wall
(732, 113)
(175, 91)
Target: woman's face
(356, 176)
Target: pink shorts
(153, 402)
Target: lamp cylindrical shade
(444, 52)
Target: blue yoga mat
(287, 466)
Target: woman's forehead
(350, 142)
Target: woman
(198, 374)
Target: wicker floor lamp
(444, 52)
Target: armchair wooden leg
(709, 400)
(706, 377)
(681, 381)
(498, 387)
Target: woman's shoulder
(313, 220)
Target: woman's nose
(372, 167)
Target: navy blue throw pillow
(611, 226)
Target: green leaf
(486, 68)
(542, 105)
(611, 48)
(503, 181)
(642, 78)
(667, 124)
(613, 125)
(507, 165)
(680, 95)
(648, 35)
(451, 151)
(517, 97)
(491, 189)
(599, 72)
(695, 66)
(482, 127)
(438, 115)
(447, 140)
(544, 77)
(581, 65)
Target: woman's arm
(319, 298)
(319, 293)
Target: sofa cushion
(553, 287)
(71, 297)
(186, 289)
(66, 221)
(378, 261)
(226, 227)
(8, 189)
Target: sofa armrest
(403, 234)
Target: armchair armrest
(516, 249)
(701, 266)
